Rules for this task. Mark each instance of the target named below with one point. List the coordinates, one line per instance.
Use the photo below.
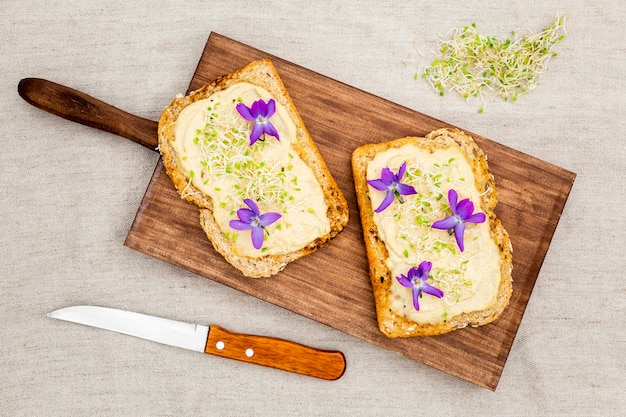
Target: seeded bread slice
(395, 325)
(261, 73)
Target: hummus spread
(212, 141)
(469, 279)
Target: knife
(213, 340)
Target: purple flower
(416, 280)
(259, 113)
(390, 182)
(253, 219)
(462, 213)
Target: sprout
(239, 170)
(416, 238)
(471, 63)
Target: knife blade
(214, 340)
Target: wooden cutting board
(332, 286)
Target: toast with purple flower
(238, 149)
(439, 258)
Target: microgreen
(471, 63)
(224, 144)
(259, 113)
(462, 213)
(251, 218)
(390, 183)
(416, 280)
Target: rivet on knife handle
(275, 353)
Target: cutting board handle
(84, 109)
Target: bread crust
(390, 323)
(261, 73)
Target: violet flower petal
(257, 131)
(387, 176)
(416, 295)
(423, 269)
(386, 202)
(445, 224)
(404, 281)
(405, 189)
(271, 108)
(429, 289)
(378, 184)
(476, 218)
(246, 215)
(258, 109)
(452, 199)
(401, 171)
(464, 209)
(245, 112)
(239, 225)
(270, 129)
(459, 230)
(257, 237)
(268, 218)
(253, 206)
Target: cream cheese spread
(212, 141)
(469, 279)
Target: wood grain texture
(332, 286)
(81, 108)
(276, 353)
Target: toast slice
(476, 283)
(210, 155)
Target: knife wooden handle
(275, 353)
(81, 108)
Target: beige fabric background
(69, 195)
